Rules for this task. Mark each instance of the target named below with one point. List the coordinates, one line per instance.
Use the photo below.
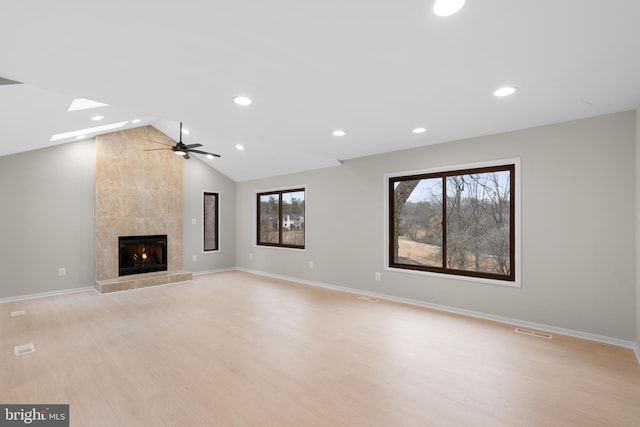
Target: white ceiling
(376, 69)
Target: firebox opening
(142, 254)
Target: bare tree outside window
(457, 222)
(210, 221)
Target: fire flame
(144, 253)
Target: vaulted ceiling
(375, 69)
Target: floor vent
(534, 333)
(370, 299)
(18, 313)
(19, 350)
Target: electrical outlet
(377, 276)
(194, 258)
(62, 271)
(310, 264)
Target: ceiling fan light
(180, 153)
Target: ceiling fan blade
(204, 152)
(186, 156)
(193, 145)
(156, 149)
(157, 142)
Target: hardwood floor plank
(235, 349)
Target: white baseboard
(218, 270)
(90, 288)
(516, 322)
(46, 294)
(507, 320)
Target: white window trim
(517, 283)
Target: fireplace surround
(137, 193)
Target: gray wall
(578, 247)
(47, 219)
(198, 178)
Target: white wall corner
(637, 245)
(636, 349)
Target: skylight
(87, 131)
(85, 104)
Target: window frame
(279, 192)
(216, 224)
(513, 279)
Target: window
(281, 218)
(458, 222)
(210, 221)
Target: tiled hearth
(137, 193)
(137, 281)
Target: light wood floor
(234, 349)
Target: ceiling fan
(182, 149)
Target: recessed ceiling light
(447, 7)
(210, 156)
(505, 91)
(136, 120)
(87, 131)
(185, 131)
(84, 104)
(419, 130)
(239, 147)
(97, 118)
(339, 133)
(242, 100)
